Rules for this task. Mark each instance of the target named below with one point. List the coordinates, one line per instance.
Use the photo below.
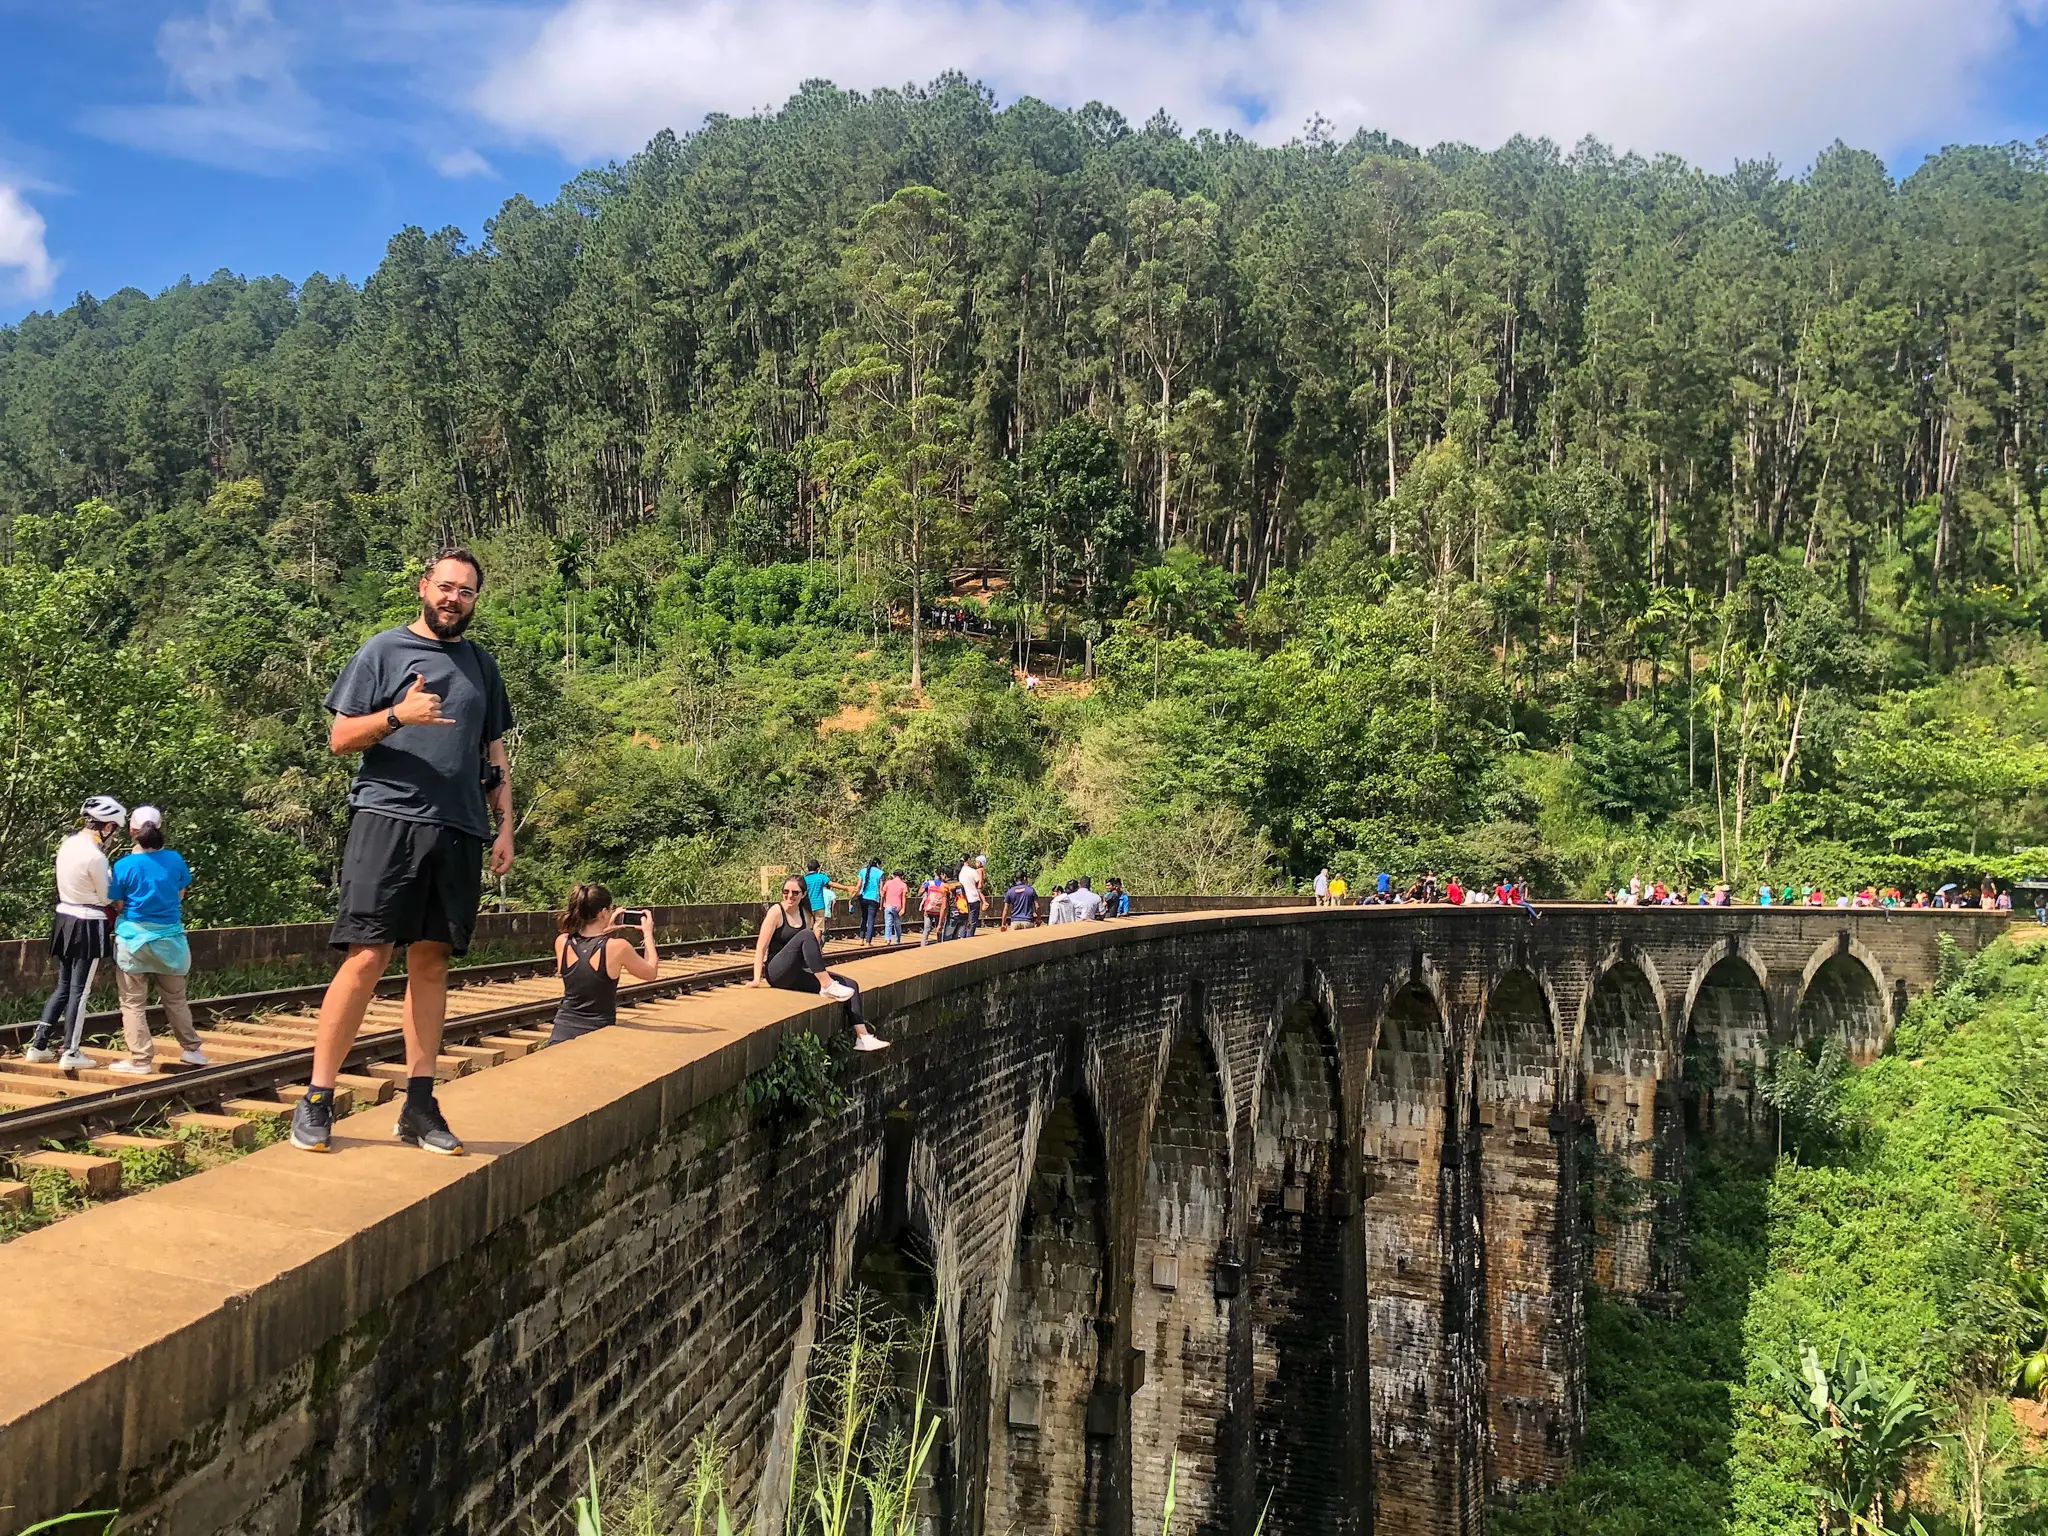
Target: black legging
(65, 1010)
(795, 965)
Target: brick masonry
(1351, 1135)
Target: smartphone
(630, 917)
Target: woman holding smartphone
(590, 956)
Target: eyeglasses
(451, 589)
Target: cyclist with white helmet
(80, 933)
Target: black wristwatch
(392, 721)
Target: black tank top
(783, 931)
(590, 998)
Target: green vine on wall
(802, 1081)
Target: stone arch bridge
(1288, 1197)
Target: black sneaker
(312, 1124)
(425, 1128)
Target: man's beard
(447, 628)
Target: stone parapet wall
(381, 1341)
(25, 963)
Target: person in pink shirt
(895, 890)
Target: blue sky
(141, 140)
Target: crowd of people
(952, 903)
(1333, 890)
(1989, 896)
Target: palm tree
(572, 560)
(1155, 604)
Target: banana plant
(2029, 1361)
(1865, 1427)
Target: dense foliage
(1910, 1244)
(1527, 511)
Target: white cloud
(26, 270)
(236, 43)
(458, 163)
(243, 105)
(1710, 79)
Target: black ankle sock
(419, 1093)
(320, 1096)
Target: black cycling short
(407, 881)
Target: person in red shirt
(895, 891)
(1454, 893)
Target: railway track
(261, 1045)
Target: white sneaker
(869, 1043)
(76, 1061)
(838, 991)
(129, 1067)
(42, 1055)
(194, 1058)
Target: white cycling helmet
(105, 808)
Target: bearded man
(427, 711)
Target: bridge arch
(1301, 1367)
(1843, 994)
(1407, 1152)
(899, 1271)
(1623, 1055)
(1732, 948)
(1643, 995)
(1055, 1412)
(1726, 1038)
(1525, 1184)
(1180, 1316)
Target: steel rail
(238, 1006)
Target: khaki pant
(133, 990)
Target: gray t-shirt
(425, 772)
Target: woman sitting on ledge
(589, 958)
(788, 956)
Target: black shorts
(407, 881)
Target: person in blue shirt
(147, 890)
(1384, 885)
(1115, 900)
(818, 889)
(868, 888)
